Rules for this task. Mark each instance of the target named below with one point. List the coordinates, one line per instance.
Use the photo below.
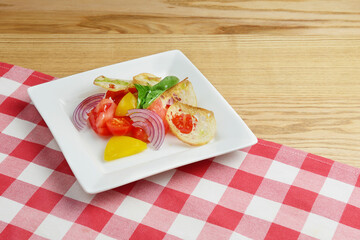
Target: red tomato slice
(99, 115)
(118, 95)
(103, 131)
(183, 122)
(140, 134)
(119, 126)
(157, 107)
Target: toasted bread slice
(181, 92)
(112, 84)
(204, 124)
(146, 79)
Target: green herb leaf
(151, 96)
(142, 92)
(148, 94)
(166, 83)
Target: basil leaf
(148, 94)
(166, 83)
(151, 96)
(159, 88)
(142, 92)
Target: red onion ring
(80, 114)
(152, 124)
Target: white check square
(337, 190)
(208, 190)
(186, 227)
(53, 227)
(8, 209)
(19, 128)
(53, 145)
(76, 192)
(319, 227)
(8, 86)
(103, 237)
(161, 178)
(35, 174)
(233, 159)
(263, 208)
(238, 236)
(2, 157)
(133, 209)
(282, 172)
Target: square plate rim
(95, 188)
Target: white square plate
(84, 150)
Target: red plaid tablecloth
(268, 191)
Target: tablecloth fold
(267, 191)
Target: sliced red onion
(152, 124)
(80, 114)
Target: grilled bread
(146, 79)
(181, 92)
(202, 127)
(112, 84)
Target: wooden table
(291, 69)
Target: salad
(136, 113)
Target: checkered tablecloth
(268, 191)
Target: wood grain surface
(299, 91)
(290, 68)
(285, 17)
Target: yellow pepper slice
(128, 102)
(122, 146)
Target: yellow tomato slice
(128, 102)
(122, 146)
